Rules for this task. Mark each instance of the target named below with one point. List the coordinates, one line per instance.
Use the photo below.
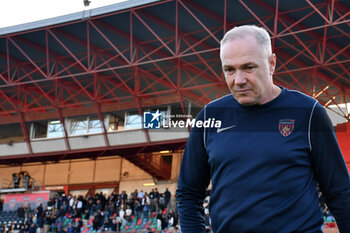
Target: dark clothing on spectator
(20, 212)
(98, 221)
(32, 228)
(167, 196)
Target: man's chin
(246, 101)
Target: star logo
(156, 115)
(152, 120)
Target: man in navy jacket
(272, 150)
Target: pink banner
(13, 201)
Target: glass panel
(39, 129)
(78, 125)
(11, 133)
(113, 123)
(95, 125)
(55, 129)
(133, 121)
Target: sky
(15, 12)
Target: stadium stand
(115, 213)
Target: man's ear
(272, 63)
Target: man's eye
(249, 67)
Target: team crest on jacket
(286, 127)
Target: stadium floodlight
(87, 2)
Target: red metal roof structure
(141, 54)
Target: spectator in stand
(161, 221)
(115, 226)
(57, 204)
(75, 214)
(26, 178)
(98, 220)
(32, 228)
(40, 221)
(146, 209)
(54, 219)
(60, 216)
(138, 209)
(145, 199)
(70, 228)
(167, 197)
(71, 201)
(140, 195)
(80, 204)
(48, 222)
(101, 199)
(134, 194)
(128, 214)
(111, 207)
(89, 205)
(40, 210)
(124, 196)
(121, 216)
(156, 197)
(78, 224)
(170, 219)
(16, 179)
(61, 230)
(131, 204)
(22, 229)
(20, 212)
(152, 200)
(118, 201)
(86, 217)
(172, 223)
(115, 196)
(162, 205)
(99, 205)
(28, 219)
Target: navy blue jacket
(265, 162)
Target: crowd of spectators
(100, 212)
(114, 213)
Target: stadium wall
(343, 136)
(98, 171)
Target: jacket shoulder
(226, 100)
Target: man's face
(248, 70)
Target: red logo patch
(286, 127)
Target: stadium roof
(82, 15)
(156, 52)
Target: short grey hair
(261, 35)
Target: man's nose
(240, 78)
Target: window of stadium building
(46, 129)
(133, 120)
(11, 133)
(39, 129)
(85, 125)
(115, 121)
(55, 129)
